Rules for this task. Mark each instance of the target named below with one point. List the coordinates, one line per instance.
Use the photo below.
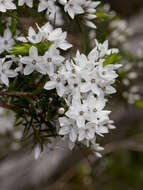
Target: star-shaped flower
(68, 127)
(6, 41)
(6, 72)
(33, 62)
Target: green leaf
(112, 59)
(13, 27)
(102, 15)
(138, 103)
(43, 47)
(23, 49)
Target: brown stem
(14, 93)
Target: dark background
(125, 7)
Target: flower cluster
(85, 8)
(84, 81)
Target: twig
(14, 93)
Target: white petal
(55, 34)
(22, 39)
(90, 24)
(50, 85)
(37, 152)
(64, 130)
(73, 135)
(64, 121)
(33, 52)
(31, 32)
(65, 46)
(84, 87)
(7, 34)
(60, 90)
(28, 69)
(26, 60)
(98, 154)
(95, 89)
(80, 122)
(4, 79)
(81, 135)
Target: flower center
(58, 80)
(94, 110)
(86, 130)
(71, 6)
(81, 113)
(34, 37)
(6, 42)
(75, 85)
(73, 70)
(49, 59)
(93, 81)
(34, 62)
(103, 73)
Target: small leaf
(112, 59)
(102, 15)
(23, 49)
(138, 103)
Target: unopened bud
(61, 111)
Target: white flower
(33, 62)
(95, 104)
(88, 132)
(91, 83)
(59, 39)
(57, 81)
(73, 7)
(98, 129)
(29, 3)
(106, 73)
(78, 112)
(68, 127)
(6, 41)
(52, 59)
(33, 37)
(6, 4)
(6, 72)
(45, 30)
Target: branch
(14, 93)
